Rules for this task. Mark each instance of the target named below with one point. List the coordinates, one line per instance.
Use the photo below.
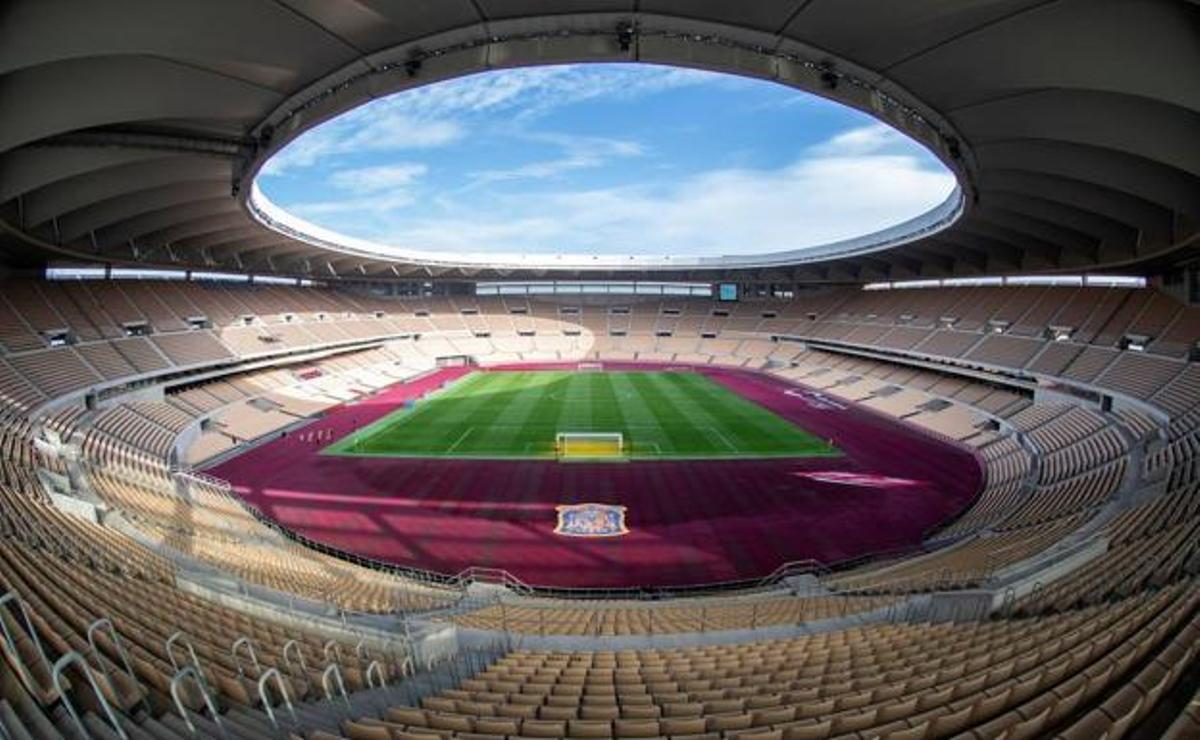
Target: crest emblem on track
(591, 520)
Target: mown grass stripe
(462, 412)
(699, 417)
(642, 427)
(750, 425)
(513, 427)
(517, 414)
(666, 413)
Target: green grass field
(517, 415)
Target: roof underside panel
(131, 127)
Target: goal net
(589, 445)
(591, 366)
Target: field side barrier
(421, 577)
(705, 614)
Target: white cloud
(374, 179)
(377, 204)
(389, 131)
(816, 200)
(578, 153)
(534, 91)
(378, 190)
(869, 139)
(439, 114)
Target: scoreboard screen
(727, 292)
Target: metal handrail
(106, 623)
(378, 671)
(262, 695)
(421, 577)
(186, 641)
(11, 641)
(299, 653)
(334, 670)
(176, 682)
(794, 567)
(56, 675)
(337, 651)
(240, 642)
(361, 648)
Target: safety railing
(244, 642)
(75, 659)
(264, 697)
(105, 625)
(183, 674)
(10, 641)
(719, 612)
(332, 670)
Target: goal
(589, 445)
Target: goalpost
(589, 445)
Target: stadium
(773, 369)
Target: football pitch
(518, 415)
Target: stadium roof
(131, 130)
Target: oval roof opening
(604, 164)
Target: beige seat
(854, 721)
(633, 711)
(638, 728)
(496, 726)
(359, 731)
(451, 722)
(919, 732)
(543, 728)
(1027, 729)
(726, 722)
(952, 723)
(407, 716)
(814, 731)
(1095, 725)
(683, 725)
(589, 728)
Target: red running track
(690, 522)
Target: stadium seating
(1015, 678)
(1091, 652)
(551, 617)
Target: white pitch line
(722, 437)
(459, 441)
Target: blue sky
(604, 159)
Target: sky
(613, 159)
